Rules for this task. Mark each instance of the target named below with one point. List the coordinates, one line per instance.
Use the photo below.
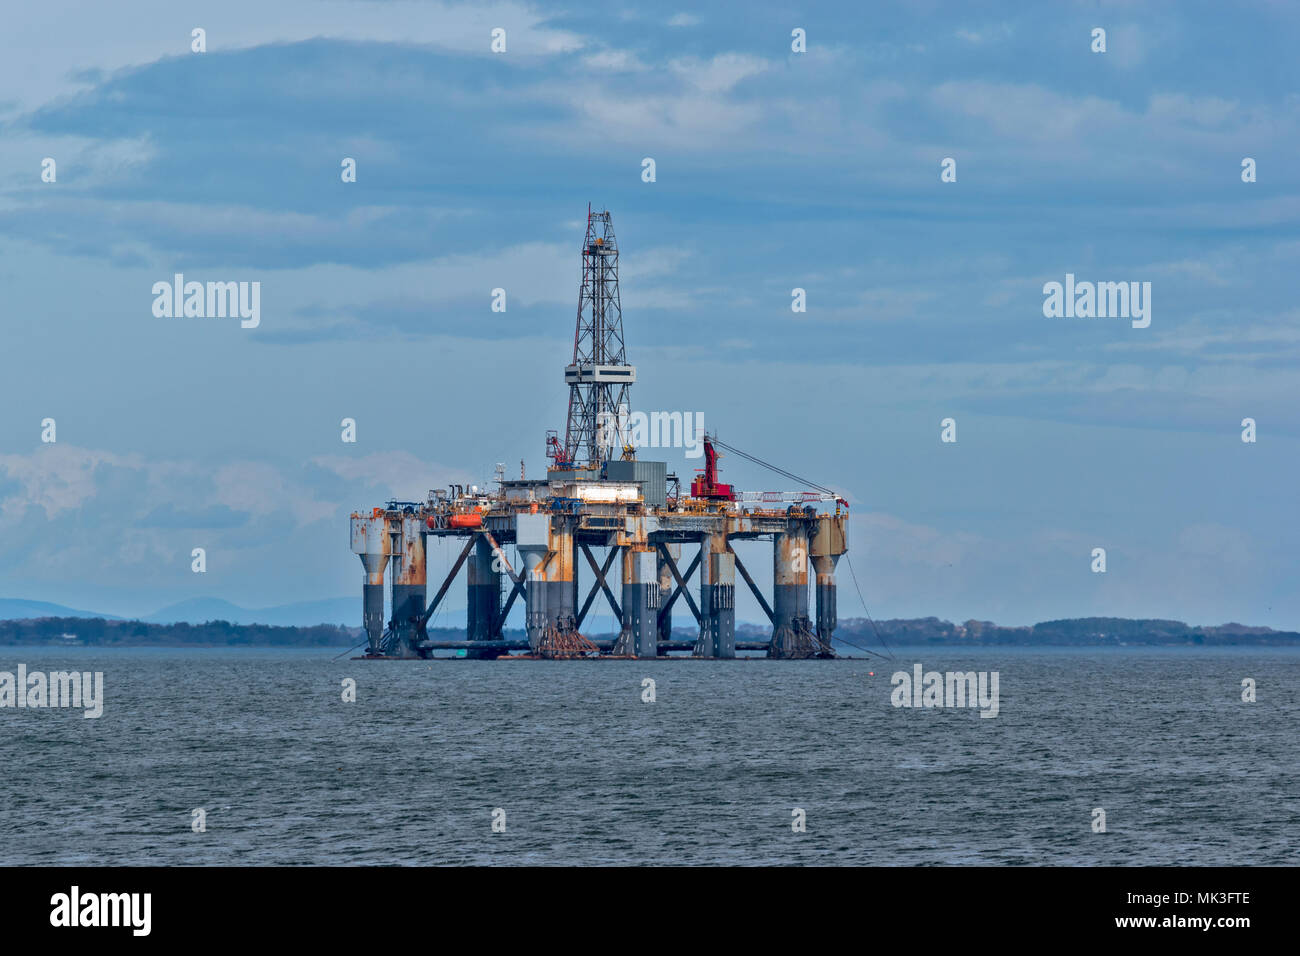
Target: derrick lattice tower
(599, 376)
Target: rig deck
(555, 541)
(598, 495)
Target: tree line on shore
(1092, 631)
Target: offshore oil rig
(597, 494)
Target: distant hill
(341, 611)
(15, 608)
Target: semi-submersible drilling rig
(598, 494)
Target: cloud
(215, 516)
(1126, 45)
(57, 478)
(990, 34)
(95, 40)
(614, 60)
(400, 475)
(1199, 110)
(720, 74)
(60, 480)
(261, 490)
(1029, 113)
(223, 234)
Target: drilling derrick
(532, 544)
(599, 376)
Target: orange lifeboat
(472, 520)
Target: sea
(237, 757)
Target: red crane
(555, 451)
(708, 486)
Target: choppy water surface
(587, 773)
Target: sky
(774, 170)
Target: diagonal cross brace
(451, 576)
(499, 552)
(518, 590)
(681, 584)
(600, 585)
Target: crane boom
(785, 496)
(708, 487)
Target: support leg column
(828, 542)
(824, 566)
(640, 633)
(533, 539)
(547, 544)
(666, 585)
(791, 629)
(483, 598)
(370, 543)
(409, 584)
(562, 579)
(717, 598)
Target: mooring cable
(349, 650)
(875, 629)
(861, 648)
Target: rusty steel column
(562, 577)
(824, 566)
(828, 543)
(546, 542)
(666, 585)
(639, 636)
(717, 598)
(409, 586)
(370, 543)
(483, 598)
(790, 624)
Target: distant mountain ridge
(340, 611)
(12, 609)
